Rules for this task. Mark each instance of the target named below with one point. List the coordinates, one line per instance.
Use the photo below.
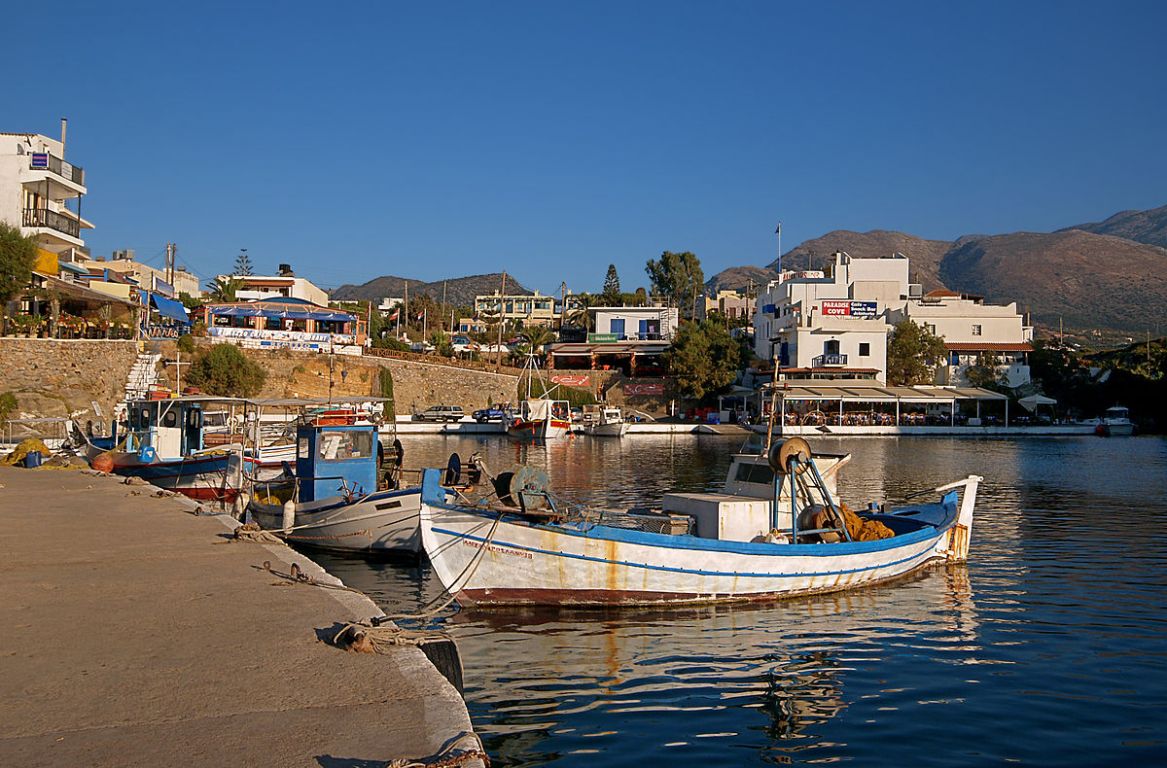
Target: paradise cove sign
(865, 310)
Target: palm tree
(222, 289)
(538, 336)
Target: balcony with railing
(42, 217)
(824, 361)
(43, 161)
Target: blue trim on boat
(691, 571)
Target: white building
(41, 192)
(834, 324)
(283, 285)
(635, 323)
(975, 333)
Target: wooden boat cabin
(172, 428)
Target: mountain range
(458, 291)
(1106, 278)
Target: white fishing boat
(336, 499)
(523, 547)
(603, 421)
(1116, 421)
(539, 418)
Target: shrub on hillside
(225, 371)
(7, 405)
(186, 344)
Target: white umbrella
(1030, 403)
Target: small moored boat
(603, 421)
(335, 501)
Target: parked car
(493, 413)
(440, 413)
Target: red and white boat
(541, 420)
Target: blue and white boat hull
(487, 557)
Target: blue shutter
(617, 327)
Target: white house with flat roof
(974, 333)
(283, 285)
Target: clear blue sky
(551, 138)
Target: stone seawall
(416, 385)
(59, 377)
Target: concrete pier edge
(76, 727)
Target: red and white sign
(572, 380)
(644, 389)
(836, 308)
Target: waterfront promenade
(137, 634)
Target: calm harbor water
(1048, 648)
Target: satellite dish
(781, 454)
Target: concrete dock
(136, 633)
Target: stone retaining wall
(62, 377)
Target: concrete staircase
(143, 373)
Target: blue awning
(170, 308)
(283, 314)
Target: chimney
(64, 129)
(285, 270)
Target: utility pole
(406, 310)
(562, 303)
(444, 305)
(501, 316)
(171, 250)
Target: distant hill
(1141, 226)
(925, 257)
(460, 291)
(924, 254)
(1108, 278)
(1089, 281)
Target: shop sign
(571, 380)
(865, 310)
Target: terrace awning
(170, 308)
(885, 394)
(238, 310)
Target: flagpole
(778, 232)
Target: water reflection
(1047, 648)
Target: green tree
(984, 373)
(678, 276)
(225, 371)
(8, 406)
(537, 336)
(222, 289)
(703, 359)
(243, 264)
(385, 381)
(441, 342)
(913, 352)
(611, 286)
(17, 254)
(188, 301)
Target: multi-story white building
(975, 333)
(517, 309)
(41, 192)
(832, 325)
(634, 323)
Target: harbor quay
(140, 632)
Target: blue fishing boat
(340, 497)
